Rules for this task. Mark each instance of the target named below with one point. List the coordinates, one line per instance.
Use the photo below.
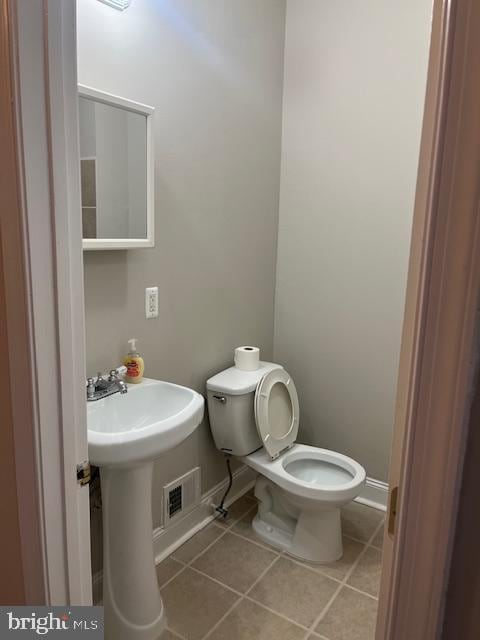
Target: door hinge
(83, 473)
(392, 511)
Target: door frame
(42, 66)
(436, 366)
(440, 341)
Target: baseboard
(166, 540)
(374, 494)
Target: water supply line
(221, 509)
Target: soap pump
(134, 363)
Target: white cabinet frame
(144, 110)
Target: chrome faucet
(101, 386)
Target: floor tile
(378, 540)
(351, 616)
(236, 511)
(295, 591)
(366, 575)
(168, 635)
(249, 621)
(200, 541)
(194, 604)
(234, 562)
(360, 521)
(167, 569)
(340, 568)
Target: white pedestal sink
(126, 432)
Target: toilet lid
(277, 411)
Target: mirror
(116, 166)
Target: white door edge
(48, 128)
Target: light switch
(151, 302)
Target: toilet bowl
(300, 494)
(255, 415)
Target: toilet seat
(332, 490)
(277, 411)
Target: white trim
(374, 494)
(68, 266)
(47, 120)
(97, 244)
(120, 5)
(114, 100)
(167, 540)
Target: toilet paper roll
(247, 358)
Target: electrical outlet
(151, 302)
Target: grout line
(363, 593)
(224, 530)
(174, 633)
(330, 577)
(314, 634)
(345, 580)
(225, 586)
(247, 597)
(258, 543)
(319, 571)
(358, 539)
(234, 522)
(262, 575)
(184, 566)
(323, 611)
(206, 548)
(219, 622)
(245, 513)
(277, 613)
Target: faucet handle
(116, 373)
(90, 387)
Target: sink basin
(150, 419)
(126, 432)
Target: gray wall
(355, 75)
(214, 73)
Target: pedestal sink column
(131, 597)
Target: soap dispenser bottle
(134, 363)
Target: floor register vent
(181, 495)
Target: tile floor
(224, 584)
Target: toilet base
(305, 529)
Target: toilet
(254, 415)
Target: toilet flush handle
(221, 399)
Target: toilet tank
(230, 399)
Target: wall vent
(181, 495)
